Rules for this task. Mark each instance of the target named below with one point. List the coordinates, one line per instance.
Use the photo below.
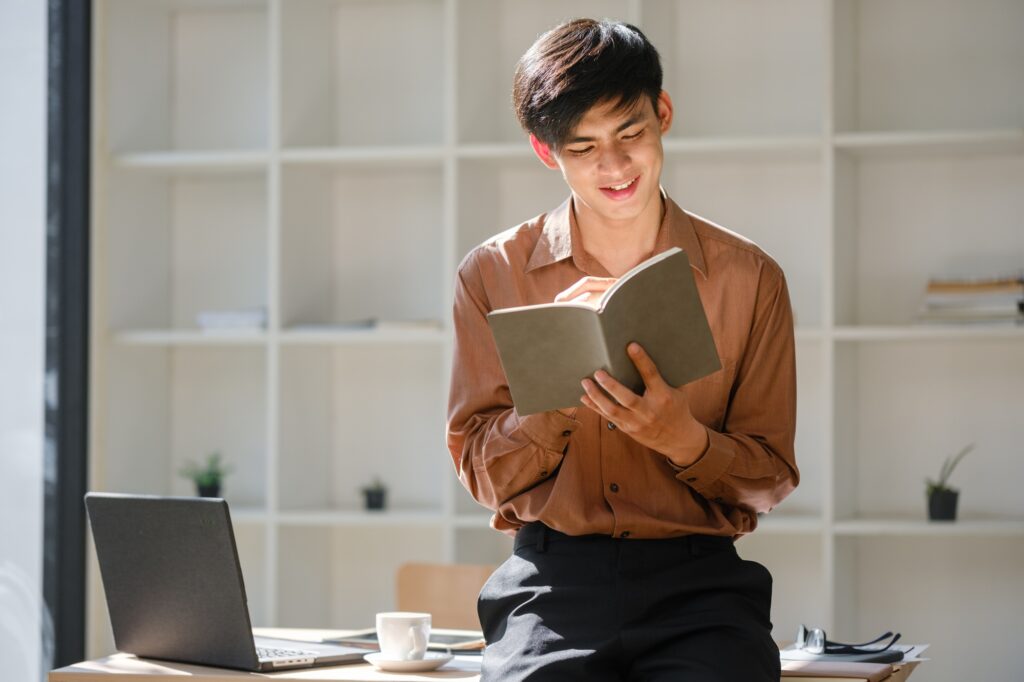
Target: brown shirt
(581, 475)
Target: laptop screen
(172, 579)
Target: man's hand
(587, 290)
(660, 419)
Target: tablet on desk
(441, 639)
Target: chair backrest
(447, 591)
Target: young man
(624, 507)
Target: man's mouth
(622, 190)
(622, 186)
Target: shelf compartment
(340, 578)
(170, 242)
(357, 517)
(193, 163)
(910, 527)
(960, 55)
(811, 445)
(382, 156)
(482, 546)
(492, 36)
(799, 591)
(773, 86)
(975, 580)
(939, 142)
(167, 406)
(328, 336)
(329, 96)
(774, 147)
(930, 332)
(788, 523)
(171, 84)
(170, 337)
(902, 408)
(250, 541)
(776, 204)
(361, 244)
(900, 221)
(469, 511)
(495, 195)
(351, 414)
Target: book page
(546, 351)
(659, 308)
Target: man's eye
(634, 135)
(580, 152)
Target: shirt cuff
(709, 468)
(550, 430)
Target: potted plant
(208, 476)
(375, 495)
(942, 499)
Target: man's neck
(620, 245)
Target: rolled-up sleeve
(751, 463)
(497, 454)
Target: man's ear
(543, 152)
(665, 111)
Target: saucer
(431, 661)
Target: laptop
(174, 586)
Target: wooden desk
(127, 668)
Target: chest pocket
(709, 396)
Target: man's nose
(614, 158)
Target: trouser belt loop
(542, 536)
(693, 545)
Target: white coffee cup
(403, 636)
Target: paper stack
(232, 320)
(991, 299)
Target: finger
(619, 392)
(572, 291)
(597, 285)
(645, 365)
(607, 407)
(587, 298)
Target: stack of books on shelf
(990, 299)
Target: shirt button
(566, 433)
(624, 534)
(614, 487)
(691, 479)
(611, 427)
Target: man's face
(612, 160)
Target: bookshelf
(283, 154)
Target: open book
(546, 350)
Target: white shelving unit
(333, 160)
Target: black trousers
(598, 608)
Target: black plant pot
(375, 499)
(942, 505)
(211, 490)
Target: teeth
(623, 185)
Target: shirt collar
(559, 238)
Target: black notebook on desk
(174, 586)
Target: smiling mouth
(625, 185)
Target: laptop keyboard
(271, 653)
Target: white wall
(22, 289)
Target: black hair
(576, 65)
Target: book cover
(546, 350)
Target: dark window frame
(68, 203)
